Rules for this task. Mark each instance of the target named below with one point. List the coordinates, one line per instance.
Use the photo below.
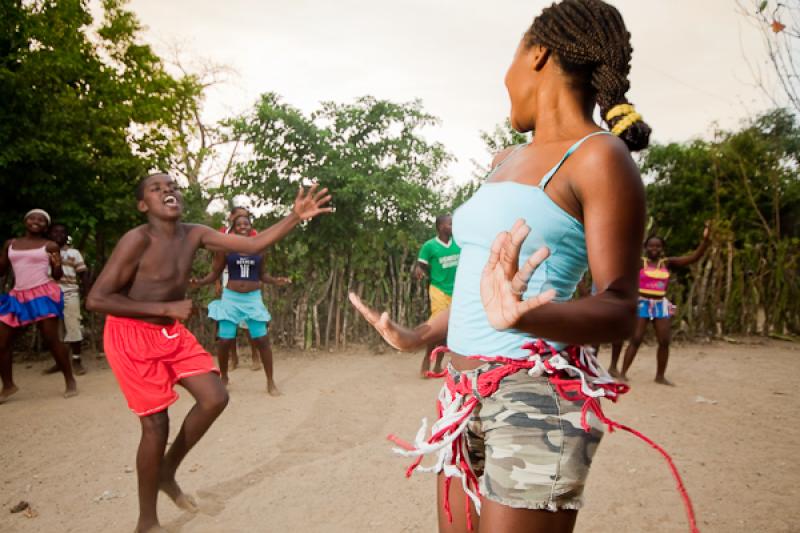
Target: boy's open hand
(309, 204)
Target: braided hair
(592, 46)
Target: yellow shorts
(439, 300)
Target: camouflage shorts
(527, 446)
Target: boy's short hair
(141, 183)
(440, 219)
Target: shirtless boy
(143, 290)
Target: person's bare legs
(234, 353)
(210, 400)
(223, 352)
(264, 349)
(663, 327)
(77, 364)
(50, 334)
(149, 458)
(7, 334)
(457, 508)
(498, 518)
(616, 349)
(633, 346)
(255, 353)
(426, 361)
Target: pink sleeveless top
(653, 281)
(30, 267)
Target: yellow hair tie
(625, 123)
(619, 110)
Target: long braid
(591, 43)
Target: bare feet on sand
(614, 373)
(664, 381)
(71, 390)
(272, 389)
(184, 501)
(151, 529)
(6, 393)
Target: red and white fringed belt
(574, 373)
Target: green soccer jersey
(442, 260)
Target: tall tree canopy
(85, 109)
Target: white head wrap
(37, 212)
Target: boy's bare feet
(71, 390)
(6, 393)
(272, 389)
(614, 373)
(184, 501)
(622, 377)
(664, 381)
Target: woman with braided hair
(520, 417)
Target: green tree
(83, 113)
(387, 179)
(748, 182)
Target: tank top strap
(547, 177)
(510, 155)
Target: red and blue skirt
(21, 307)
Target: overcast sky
(688, 66)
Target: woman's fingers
(532, 303)
(510, 254)
(520, 282)
(369, 314)
(494, 253)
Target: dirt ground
(316, 459)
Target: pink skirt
(22, 307)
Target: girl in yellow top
(653, 304)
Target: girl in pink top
(653, 304)
(35, 298)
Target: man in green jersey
(438, 258)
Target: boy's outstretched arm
(107, 294)
(307, 205)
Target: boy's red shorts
(149, 359)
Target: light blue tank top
(492, 209)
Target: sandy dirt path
(316, 459)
